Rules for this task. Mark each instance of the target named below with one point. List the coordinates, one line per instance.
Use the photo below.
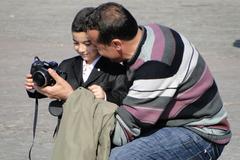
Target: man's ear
(117, 44)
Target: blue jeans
(169, 143)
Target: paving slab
(29, 28)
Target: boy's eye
(87, 43)
(75, 43)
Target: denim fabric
(169, 143)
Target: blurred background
(43, 28)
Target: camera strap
(34, 127)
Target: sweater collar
(138, 50)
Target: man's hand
(61, 90)
(97, 91)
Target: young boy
(105, 79)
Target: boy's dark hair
(78, 24)
(112, 21)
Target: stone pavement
(35, 27)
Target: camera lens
(39, 78)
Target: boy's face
(84, 47)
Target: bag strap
(57, 126)
(34, 127)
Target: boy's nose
(81, 48)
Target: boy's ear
(117, 44)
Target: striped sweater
(171, 86)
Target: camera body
(40, 75)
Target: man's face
(107, 51)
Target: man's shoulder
(157, 25)
(157, 29)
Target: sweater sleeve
(149, 95)
(118, 90)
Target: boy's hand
(29, 85)
(97, 91)
(61, 90)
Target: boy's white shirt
(87, 69)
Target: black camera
(40, 75)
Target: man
(172, 92)
(173, 109)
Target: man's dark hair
(112, 21)
(78, 24)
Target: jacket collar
(96, 71)
(77, 69)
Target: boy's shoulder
(70, 60)
(111, 67)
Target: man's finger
(54, 74)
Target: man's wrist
(67, 95)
